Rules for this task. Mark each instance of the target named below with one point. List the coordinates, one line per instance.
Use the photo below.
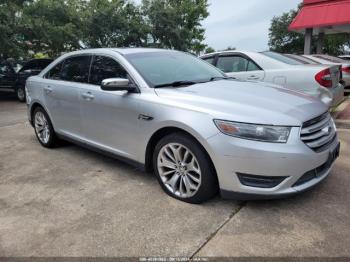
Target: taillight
(346, 69)
(324, 78)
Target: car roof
(122, 51)
(230, 52)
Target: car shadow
(8, 97)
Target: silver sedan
(199, 130)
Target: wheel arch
(33, 106)
(162, 132)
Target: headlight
(272, 134)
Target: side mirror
(117, 84)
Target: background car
(317, 80)
(345, 57)
(13, 81)
(327, 59)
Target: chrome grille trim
(318, 133)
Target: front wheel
(184, 169)
(21, 94)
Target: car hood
(241, 101)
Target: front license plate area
(333, 155)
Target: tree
(176, 24)
(229, 48)
(209, 50)
(283, 41)
(113, 23)
(280, 39)
(11, 40)
(53, 26)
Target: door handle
(253, 77)
(88, 96)
(48, 89)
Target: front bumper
(233, 156)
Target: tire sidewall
(21, 99)
(209, 185)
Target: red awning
(332, 15)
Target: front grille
(318, 133)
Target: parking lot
(73, 202)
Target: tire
(21, 94)
(43, 128)
(184, 169)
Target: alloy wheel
(42, 127)
(179, 170)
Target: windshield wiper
(176, 84)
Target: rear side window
(105, 67)
(76, 69)
(252, 66)
(55, 72)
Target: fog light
(260, 181)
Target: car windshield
(282, 58)
(171, 68)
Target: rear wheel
(184, 169)
(43, 128)
(21, 94)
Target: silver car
(200, 131)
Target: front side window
(55, 72)
(210, 60)
(105, 67)
(76, 69)
(159, 68)
(230, 64)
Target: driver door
(109, 118)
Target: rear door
(240, 67)
(61, 92)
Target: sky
(243, 24)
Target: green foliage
(55, 26)
(113, 23)
(229, 48)
(176, 23)
(283, 41)
(11, 40)
(52, 26)
(209, 50)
